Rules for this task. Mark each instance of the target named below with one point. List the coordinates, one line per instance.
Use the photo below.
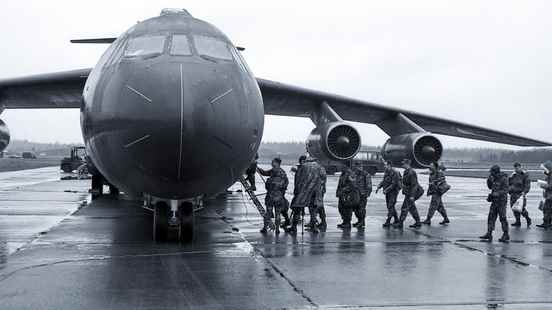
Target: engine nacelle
(4, 136)
(334, 140)
(421, 148)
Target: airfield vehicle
(28, 155)
(370, 159)
(75, 160)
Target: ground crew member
(348, 195)
(391, 185)
(547, 196)
(411, 191)
(520, 185)
(498, 184)
(250, 173)
(308, 190)
(364, 184)
(437, 188)
(275, 200)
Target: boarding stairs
(256, 202)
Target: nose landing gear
(173, 219)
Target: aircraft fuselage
(172, 110)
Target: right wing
(44, 91)
(288, 100)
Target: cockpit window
(212, 47)
(145, 46)
(180, 45)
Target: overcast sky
(484, 62)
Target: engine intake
(4, 136)
(334, 140)
(421, 148)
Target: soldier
(498, 184)
(250, 173)
(411, 191)
(309, 189)
(391, 185)
(364, 184)
(547, 195)
(520, 185)
(275, 199)
(437, 188)
(348, 195)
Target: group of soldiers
(517, 186)
(355, 186)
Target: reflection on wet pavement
(101, 257)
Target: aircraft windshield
(180, 45)
(143, 46)
(212, 47)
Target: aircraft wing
(287, 100)
(51, 90)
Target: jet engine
(4, 136)
(421, 148)
(334, 140)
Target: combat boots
(398, 225)
(387, 223)
(488, 236)
(505, 237)
(427, 222)
(344, 225)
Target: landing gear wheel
(97, 186)
(186, 216)
(161, 221)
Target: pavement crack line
(259, 253)
(474, 249)
(97, 258)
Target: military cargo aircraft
(172, 111)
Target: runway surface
(56, 253)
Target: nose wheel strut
(174, 221)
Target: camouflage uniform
(363, 182)
(547, 208)
(391, 185)
(436, 179)
(346, 184)
(520, 185)
(498, 184)
(309, 189)
(275, 199)
(409, 185)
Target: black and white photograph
(210, 155)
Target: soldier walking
(275, 200)
(520, 185)
(547, 196)
(411, 190)
(437, 188)
(498, 184)
(348, 196)
(309, 190)
(364, 185)
(391, 185)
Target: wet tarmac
(57, 254)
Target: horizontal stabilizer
(95, 41)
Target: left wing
(287, 100)
(51, 90)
